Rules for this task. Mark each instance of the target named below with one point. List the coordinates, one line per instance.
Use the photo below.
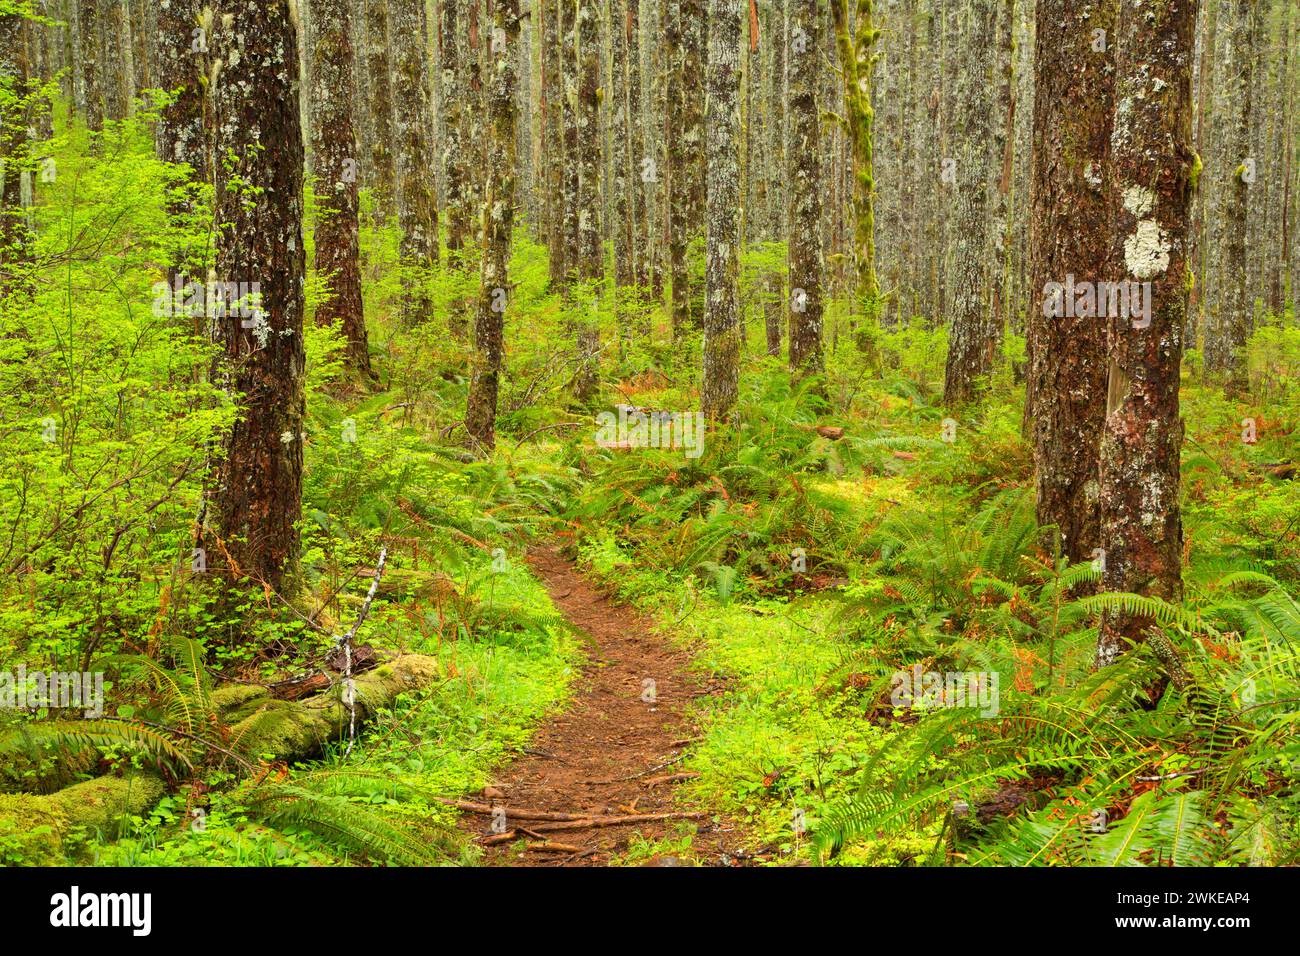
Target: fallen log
(35, 830)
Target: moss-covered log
(297, 730)
(38, 830)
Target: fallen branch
(345, 642)
(597, 823)
(587, 820)
(659, 766)
(549, 847)
(672, 778)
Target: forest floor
(615, 750)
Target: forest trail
(614, 749)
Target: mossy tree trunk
(256, 492)
(677, 201)
(1150, 190)
(721, 374)
(551, 98)
(1225, 344)
(88, 22)
(498, 223)
(856, 44)
(15, 237)
(591, 260)
(381, 108)
(569, 127)
(1069, 235)
(334, 146)
(417, 208)
(972, 333)
(622, 224)
(805, 56)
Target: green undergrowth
(806, 573)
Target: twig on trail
(673, 778)
(349, 687)
(542, 753)
(599, 823)
(659, 766)
(548, 847)
(588, 820)
(509, 836)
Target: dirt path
(611, 749)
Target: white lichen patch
(1139, 201)
(1146, 252)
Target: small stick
(659, 766)
(595, 823)
(346, 641)
(549, 847)
(672, 778)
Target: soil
(614, 748)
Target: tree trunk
(1074, 105)
(417, 210)
(720, 383)
(498, 222)
(15, 238)
(972, 331)
(804, 177)
(552, 99)
(333, 141)
(678, 198)
(591, 265)
(89, 52)
(381, 107)
(116, 71)
(1225, 344)
(1152, 161)
(856, 45)
(694, 25)
(620, 140)
(569, 124)
(256, 494)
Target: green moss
(39, 830)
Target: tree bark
(973, 336)
(15, 237)
(805, 54)
(721, 376)
(1074, 104)
(498, 224)
(334, 145)
(88, 21)
(1152, 162)
(256, 495)
(856, 45)
(590, 263)
(381, 108)
(417, 210)
(1225, 344)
